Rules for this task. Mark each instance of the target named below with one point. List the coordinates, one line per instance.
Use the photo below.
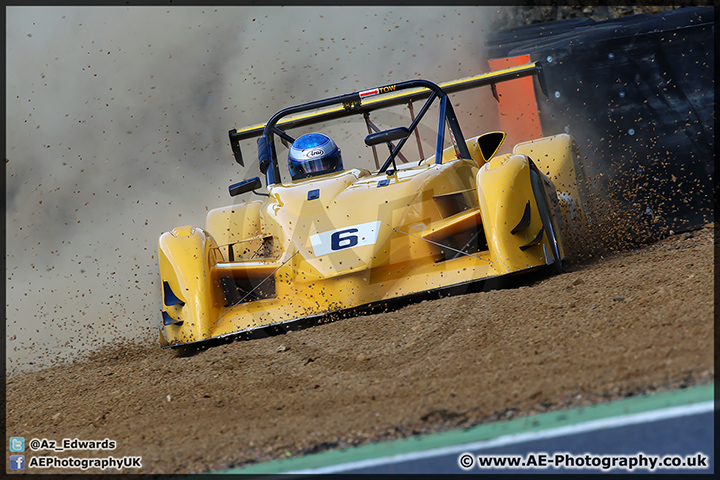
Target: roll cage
(362, 103)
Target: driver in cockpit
(313, 154)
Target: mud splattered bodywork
(356, 237)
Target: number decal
(341, 239)
(349, 237)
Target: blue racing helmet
(313, 154)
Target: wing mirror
(245, 186)
(387, 136)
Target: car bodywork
(361, 236)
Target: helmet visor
(315, 166)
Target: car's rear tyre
(548, 224)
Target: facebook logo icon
(17, 462)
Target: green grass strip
(488, 431)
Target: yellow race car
(333, 237)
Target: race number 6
(347, 237)
(344, 239)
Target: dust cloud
(116, 125)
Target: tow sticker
(377, 91)
(343, 238)
(369, 93)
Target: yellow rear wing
(391, 99)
